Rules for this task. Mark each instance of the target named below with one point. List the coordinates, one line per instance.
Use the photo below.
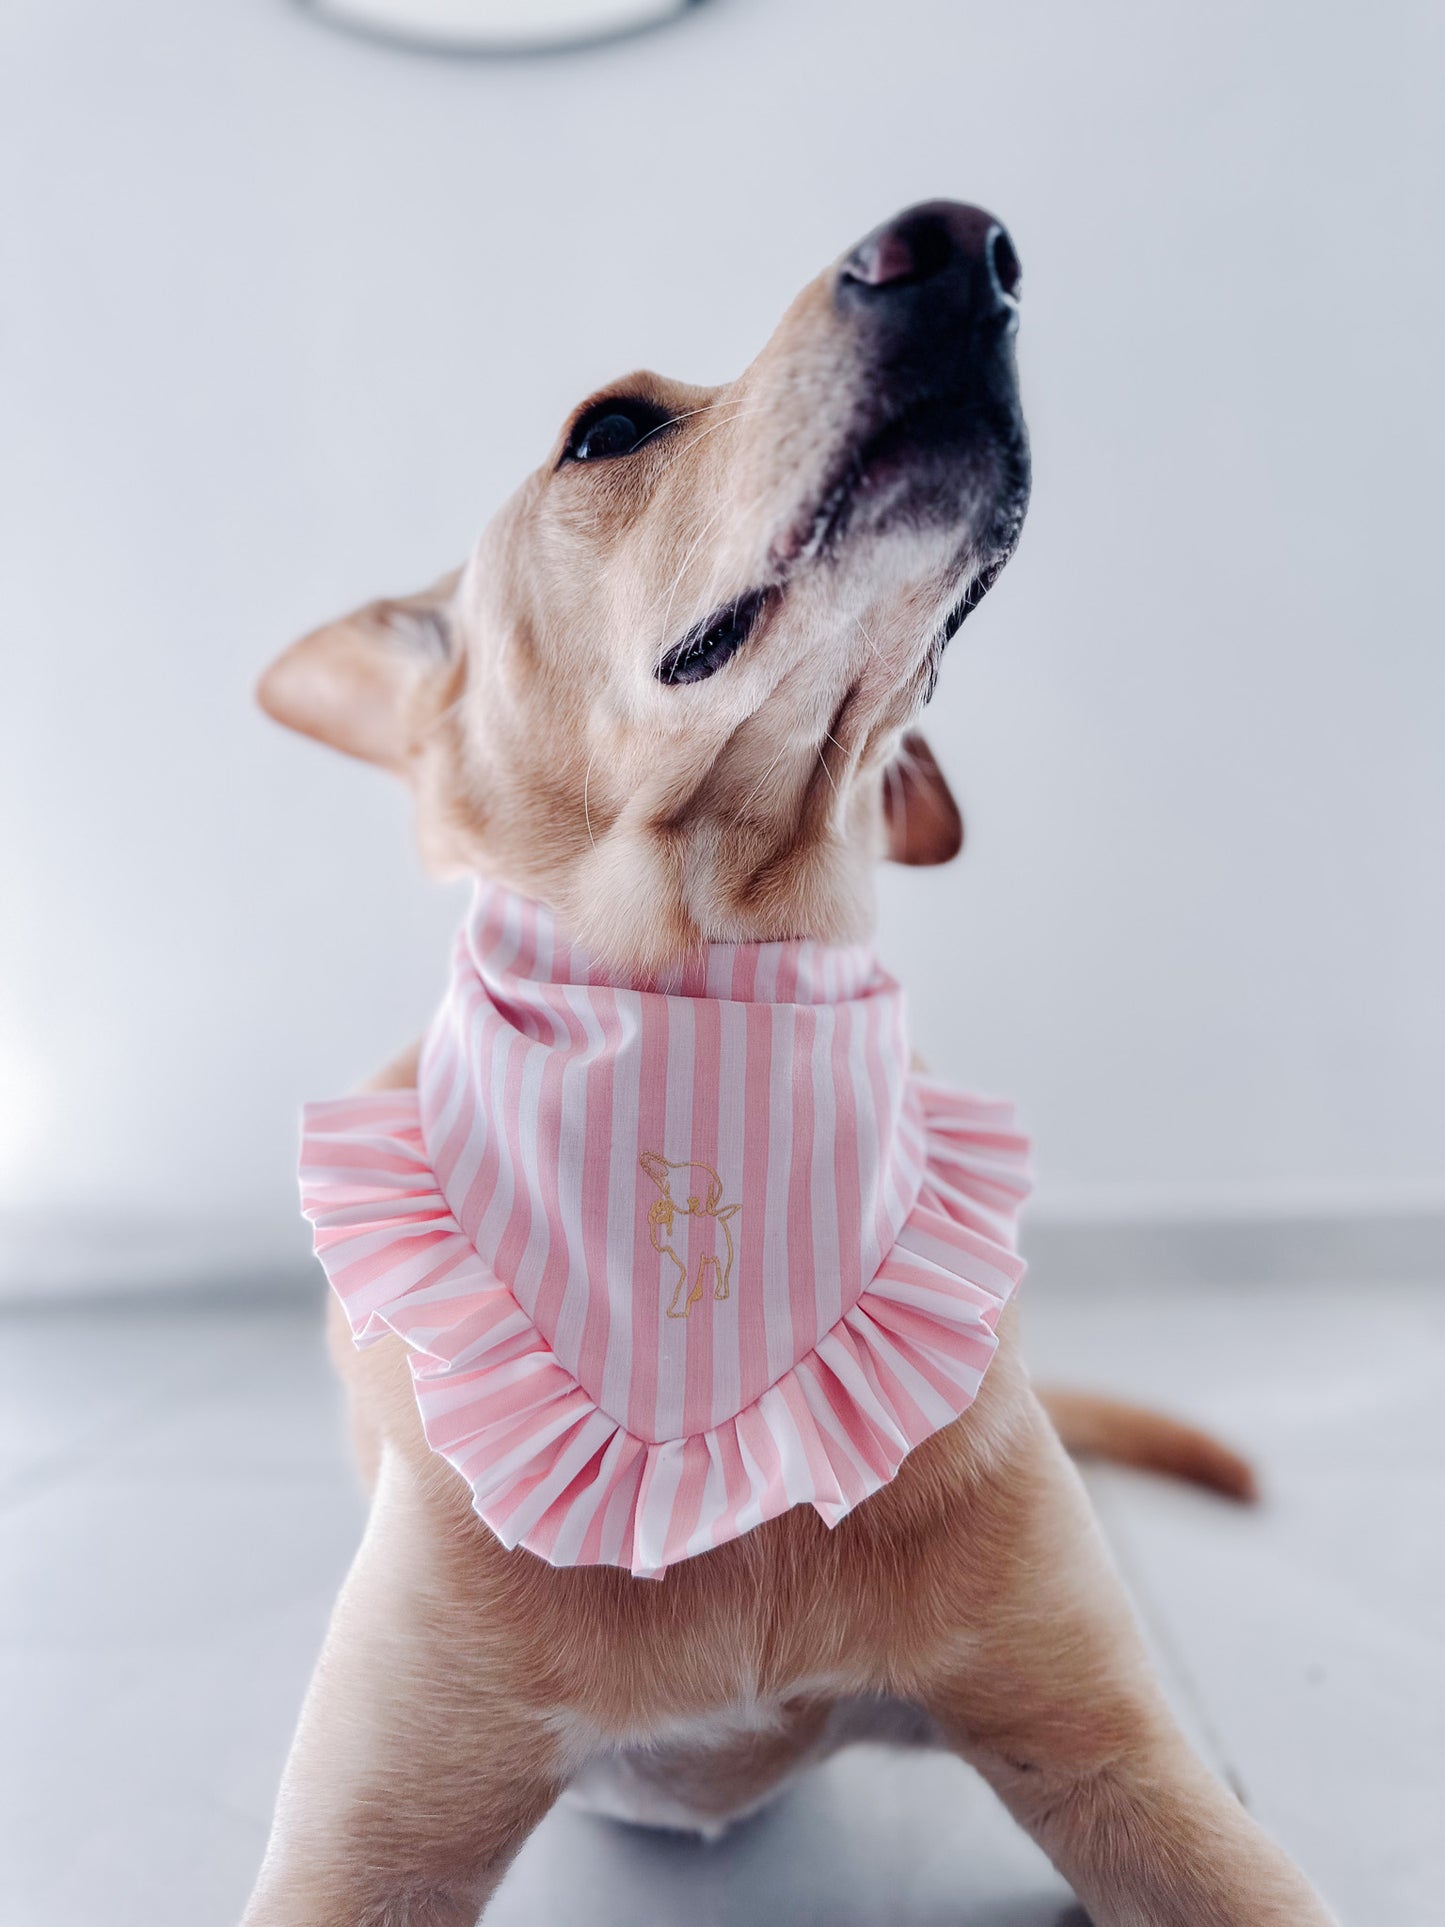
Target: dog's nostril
(1003, 265)
(912, 249)
(879, 261)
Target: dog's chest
(701, 1775)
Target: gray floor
(176, 1510)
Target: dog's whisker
(896, 791)
(753, 794)
(699, 538)
(823, 759)
(696, 544)
(873, 647)
(674, 421)
(586, 805)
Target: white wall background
(285, 315)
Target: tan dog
(668, 694)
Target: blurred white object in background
(500, 26)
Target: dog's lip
(807, 533)
(697, 656)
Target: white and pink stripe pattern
(670, 1257)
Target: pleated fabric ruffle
(551, 1471)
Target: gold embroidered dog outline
(663, 1212)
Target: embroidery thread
(663, 1213)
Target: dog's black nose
(937, 248)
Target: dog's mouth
(948, 461)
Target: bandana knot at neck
(671, 1255)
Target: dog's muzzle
(931, 301)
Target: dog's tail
(1107, 1428)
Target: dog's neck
(659, 844)
(649, 896)
(520, 940)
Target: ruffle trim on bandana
(550, 1471)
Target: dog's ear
(924, 823)
(355, 683)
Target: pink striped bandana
(670, 1257)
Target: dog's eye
(612, 428)
(614, 434)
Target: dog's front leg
(1051, 1696)
(415, 1774)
